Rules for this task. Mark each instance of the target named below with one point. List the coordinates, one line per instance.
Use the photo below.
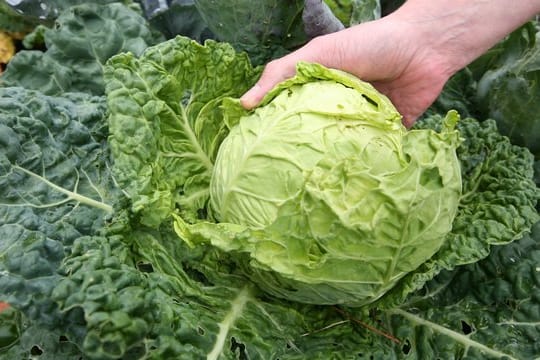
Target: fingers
(284, 68)
(409, 120)
(274, 72)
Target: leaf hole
(431, 179)
(63, 339)
(466, 328)
(196, 275)
(370, 101)
(202, 214)
(239, 349)
(406, 349)
(145, 267)
(36, 351)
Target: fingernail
(251, 98)
(408, 121)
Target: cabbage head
(323, 196)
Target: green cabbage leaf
(325, 194)
(169, 100)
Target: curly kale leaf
(55, 186)
(488, 310)
(83, 39)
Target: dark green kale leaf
(264, 29)
(486, 310)
(39, 10)
(11, 21)
(503, 84)
(177, 17)
(55, 186)
(509, 91)
(83, 39)
(21, 338)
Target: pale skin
(410, 54)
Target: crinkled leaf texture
(87, 285)
(166, 122)
(498, 204)
(486, 310)
(77, 48)
(55, 186)
(328, 199)
(84, 282)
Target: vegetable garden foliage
(93, 269)
(78, 46)
(503, 85)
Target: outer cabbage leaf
(166, 122)
(142, 295)
(326, 195)
(100, 286)
(77, 48)
(487, 310)
(194, 301)
(497, 206)
(502, 85)
(55, 243)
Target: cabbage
(324, 195)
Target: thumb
(284, 68)
(274, 72)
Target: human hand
(390, 54)
(410, 54)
